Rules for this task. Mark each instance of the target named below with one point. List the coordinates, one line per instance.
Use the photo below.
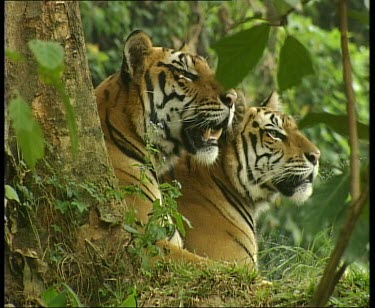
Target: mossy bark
(29, 234)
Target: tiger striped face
(185, 108)
(276, 156)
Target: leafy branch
(331, 276)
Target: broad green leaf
(339, 123)
(52, 298)
(239, 53)
(28, 132)
(11, 194)
(49, 55)
(327, 203)
(130, 301)
(294, 64)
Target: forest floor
(287, 277)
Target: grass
(185, 285)
(106, 274)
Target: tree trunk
(33, 231)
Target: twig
(330, 276)
(355, 188)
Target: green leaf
(75, 302)
(49, 55)
(62, 206)
(239, 53)
(52, 298)
(359, 240)
(130, 301)
(28, 132)
(339, 123)
(81, 207)
(294, 64)
(327, 203)
(362, 17)
(130, 229)
(13, 55)
(11, 194)
(179, 223)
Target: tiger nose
(229, 98)
(313, 157)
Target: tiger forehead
(272, 118)
(182, 60)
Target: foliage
(164, 220)
(50, 64)
(28, 132)
(60, 296)
(293, 247)
(239, 53)
(294, 64)
(300, 55)
(50, 59)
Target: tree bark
(57, 21)
(54, 21)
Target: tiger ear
(272, 102)
(184, 47)
(137, 46)
(240, 108)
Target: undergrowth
(121, 275)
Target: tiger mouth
(211, 135)
(290, 185)
(198, 138)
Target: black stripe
(146, 191)
(250, 175)
(125, 145)
(258, 158)
(150, 92)
(236, 203)
(218, 209)
(242, 245)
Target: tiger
(265, 158)
(165, 102)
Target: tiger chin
(162, 103)
(266, 157)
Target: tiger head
(184, 106)
(277, 156)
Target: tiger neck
(238, 176)
(136, 117)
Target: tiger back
(267, 157)
(161, 104)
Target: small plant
(60, 295)
(165, 219)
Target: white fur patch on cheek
(207, 157)
(302, 194)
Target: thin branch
(350, 106)
(330, 276)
